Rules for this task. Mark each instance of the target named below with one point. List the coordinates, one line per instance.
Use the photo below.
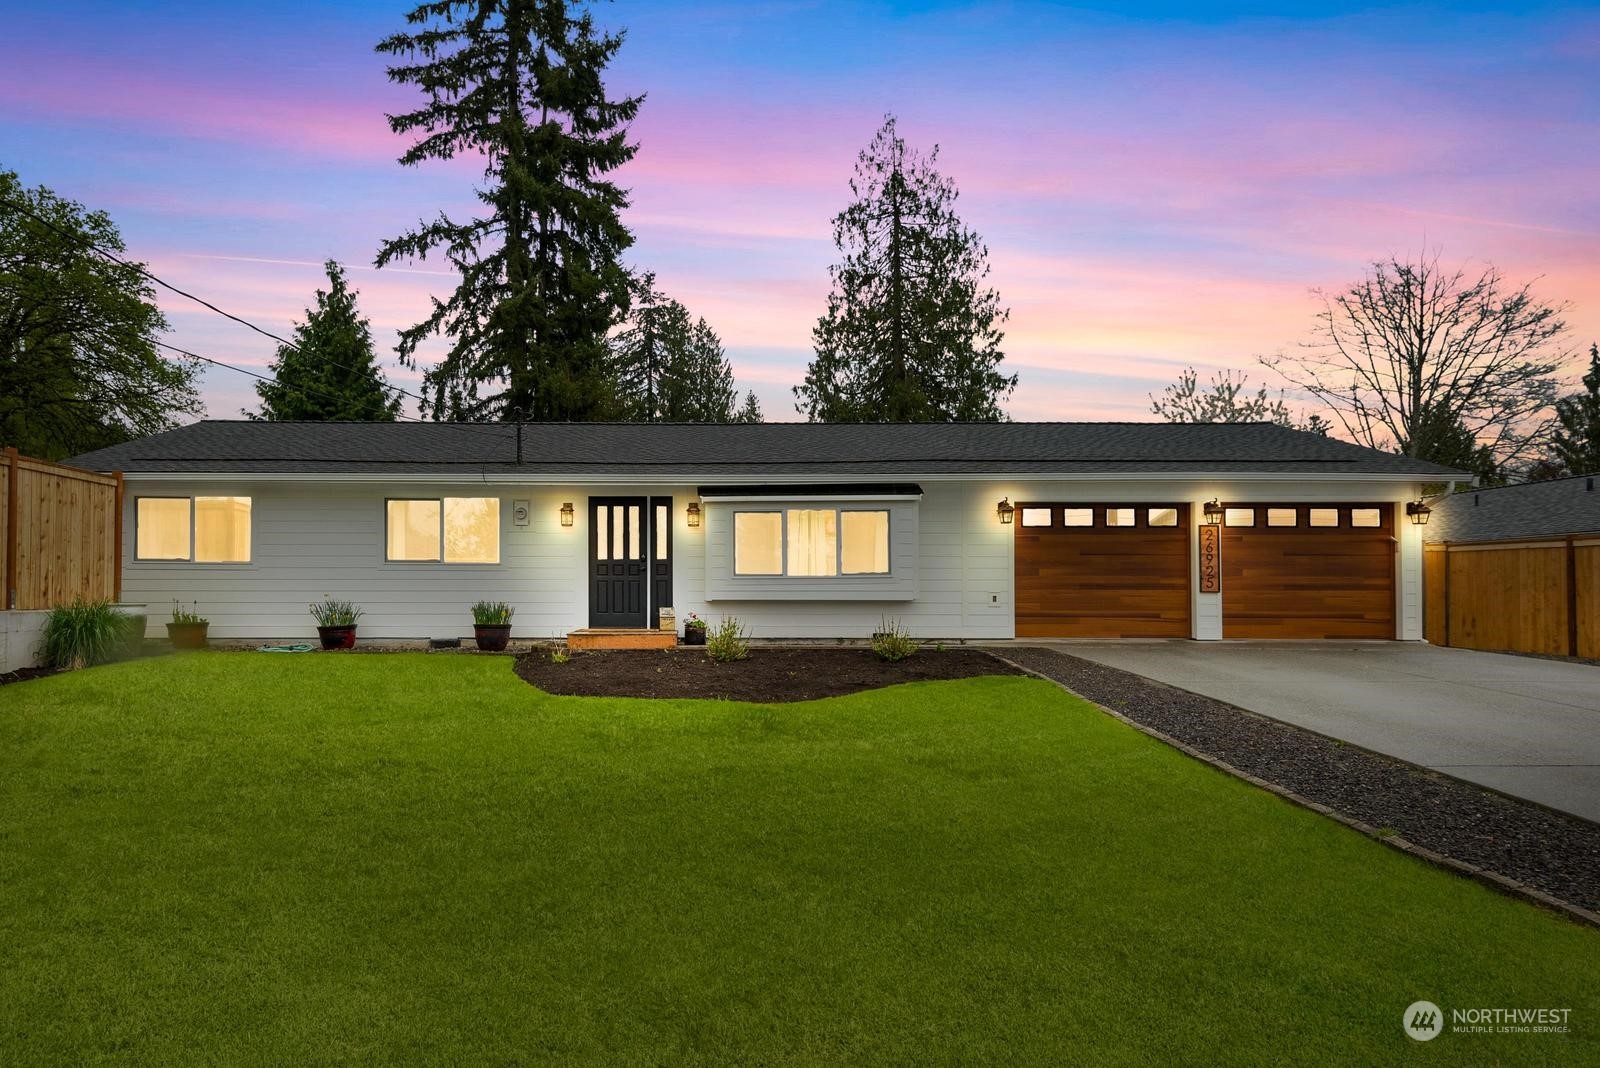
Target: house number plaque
(1210, 559)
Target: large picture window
(204, 530)
(455, 530)
(811, 542)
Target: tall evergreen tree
(1576, 439)
(670, 368)
(1441, 436)
(80, 360)
(330, 372)
(542, 282)
(911, 333)
(750, 410)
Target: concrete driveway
(1517, 724)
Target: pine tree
(911, 334)
(542, 281)
(1442, 437)
(749, 411)
(330, 372)
(1576, 439)
(669, 368)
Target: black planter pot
(337, 637)
(492, 637)
(694, 635)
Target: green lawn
(243, 858)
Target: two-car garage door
(1123, 571)
(1308, 571)
(1102, 571)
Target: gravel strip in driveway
(1546, 850)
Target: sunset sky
(1156, 188)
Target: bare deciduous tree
(1414, 343)
(1225, 400)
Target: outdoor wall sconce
(566, 514)
(1419, 512)
(1005, 510)
(1213, 511)
(692, 513)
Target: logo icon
(1423, 1020)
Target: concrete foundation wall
(19, 639)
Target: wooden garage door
(1308, 571)
(1102, 571)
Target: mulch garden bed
(1544, 849)
(771, 674)
(24, 674)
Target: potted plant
(187, 629)
(694, 630)
(491, 625)
(336, 623)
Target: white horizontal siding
(316, 539)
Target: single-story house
(957, 531)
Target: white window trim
(437, 561)
(193, 534)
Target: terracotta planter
(337, 637)
(187, 635)
(492, 637)
(694, 635)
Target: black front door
(619, 574)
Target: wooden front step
(621, 638)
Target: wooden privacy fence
(63, 533)
(1531, 596)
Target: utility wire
(24, 209)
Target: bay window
(811, 542)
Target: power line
(94, 246)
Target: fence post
(1572, 597)
(1446, 552)
(116, 558)
(13, 527)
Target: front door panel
(618, 569)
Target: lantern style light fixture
(692, 513)
(1213, 511)
(1005, 510)
(1419, 512)
(566, 514)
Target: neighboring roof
(784, 451)
(1531, 510)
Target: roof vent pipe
(1474, 500)
(1590, 487)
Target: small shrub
(559, 656)
(83, 633)
(492, 614)
(726, 641)
(183, 617)
(892, 642)
(331, 613)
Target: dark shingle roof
(699, 451)
(1531, 510)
